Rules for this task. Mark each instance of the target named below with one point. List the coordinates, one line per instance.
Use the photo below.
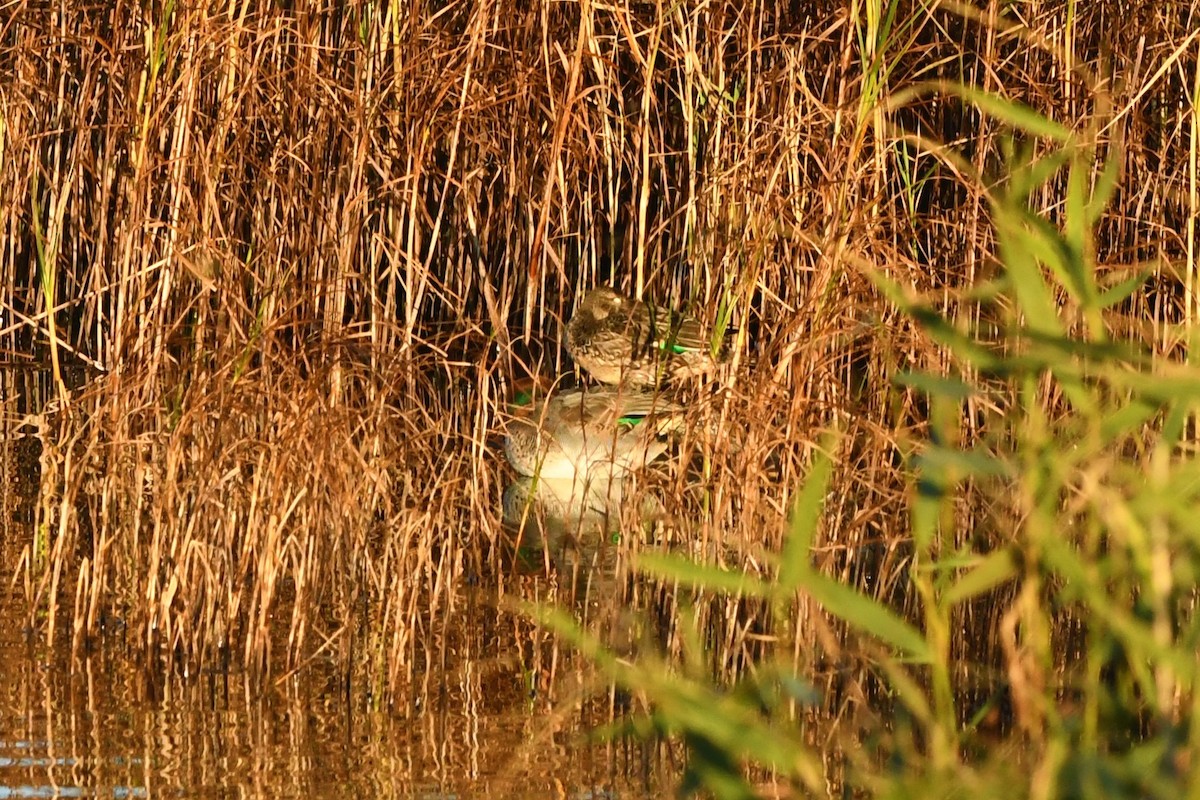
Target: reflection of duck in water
(583, 436)
(574, 451)
(554, 512)
(580, 533)
(618, 339)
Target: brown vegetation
(306, 250)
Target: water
(109, 730)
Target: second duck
(588, 435)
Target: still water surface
(107, 730)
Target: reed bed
(305, 251)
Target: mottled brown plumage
(579, 436)
(617, 339)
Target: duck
(582, 435)
(621, 341)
